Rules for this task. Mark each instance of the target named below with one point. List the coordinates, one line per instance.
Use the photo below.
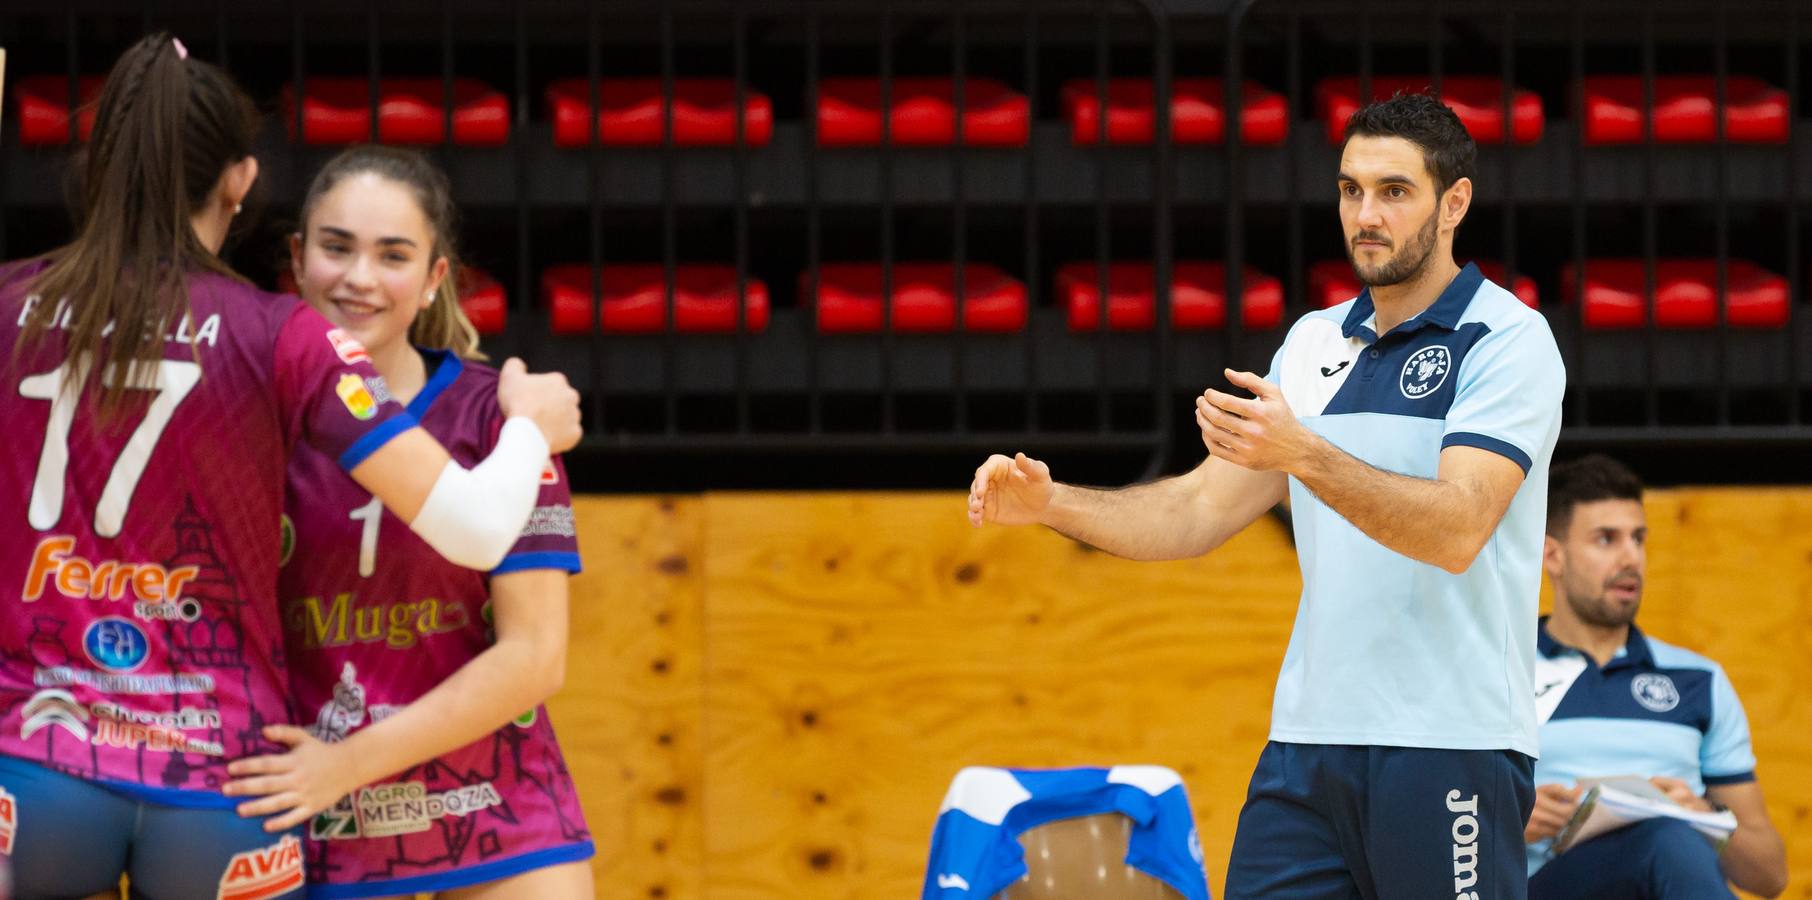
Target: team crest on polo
(1425, 372)
(1656, 692)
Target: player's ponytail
(165, 127)
(442, 325)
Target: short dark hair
(1587, 479)
(1447, 148)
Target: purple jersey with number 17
(375, 619)
(142, 646)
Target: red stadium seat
(483, 300)
(1477, 99)
(1755, 112)
(923, 113)
(410, 111)
(43, 104)
(1685, 294)
(1198, 296)
(635, 299)
(1332, 282)
(1197, 113)
(704, 113)
(924, 298)
(481, 297)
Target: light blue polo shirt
(1386, 650)
(1654, 709)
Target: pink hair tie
(181, 51)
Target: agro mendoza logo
(407, 807)
(1425, 372)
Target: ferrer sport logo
(1425, 372)
(1656, 692)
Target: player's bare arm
(1172, 518)
(1444, 521)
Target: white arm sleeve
(473, 517)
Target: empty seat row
(848, 296)
(922, 111)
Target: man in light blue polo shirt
(1615, 701)
(1411, 427)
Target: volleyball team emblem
(1425, 372)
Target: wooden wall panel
(822, 664)
(863, 648)
(630, 718)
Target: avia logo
(1329, 373)
(952, 881)
(264, 872)
(53, 706)
(1465, 845)
(9, 821)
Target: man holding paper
(1614, 701)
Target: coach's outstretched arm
(1444, 521)
(1173, 518)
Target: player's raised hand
(1261, 434)
(545, 398)
(1012, 490)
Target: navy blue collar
(444, 367)
(1635, 647)
(1445, 311)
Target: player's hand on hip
(1678, 791)
(1261, 434)
(292, 787)
(545, 398)
(1554, 807)
(1012, 490)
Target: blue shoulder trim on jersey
(465, 876)
(169, 796)
(1738, 778)
(446, 371)
(545, 559)
(1483, 442)
(375, 439)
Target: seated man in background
(1614, 701)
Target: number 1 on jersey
(371, 514)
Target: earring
(238, 208)
(430, 296)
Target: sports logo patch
(1425, 372)
(264, 872)
(347, 347)
(116, 644)
(550, 474)
(358, 400)
(53, 706)
(9, 821)
(1655, 691)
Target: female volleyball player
(153, 400)
(428, 763)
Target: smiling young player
(429, 764)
